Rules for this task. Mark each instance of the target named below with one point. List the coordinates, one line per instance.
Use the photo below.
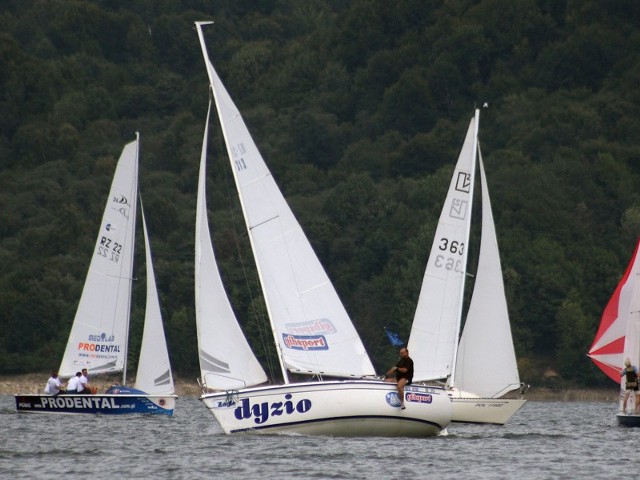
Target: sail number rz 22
(109, 249)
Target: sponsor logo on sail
(262, 412)
(96, 347)
(458, 209)
(103, 337)
(102, 343)
(305, 342)
(463, 182)
(321, 326)
(122, 205)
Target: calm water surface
(545, 440)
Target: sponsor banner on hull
(109, 405)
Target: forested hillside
(360, 109)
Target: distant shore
(35, 382)
(185, 387)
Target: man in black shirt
(404, 373)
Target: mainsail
(313, 333)
(99, 336)
(433, 341)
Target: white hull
(485, 410)
(335, 408)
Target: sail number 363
(449, 260)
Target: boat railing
(210, 379)
(513, 391)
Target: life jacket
(632, 378)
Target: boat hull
(627, 420)
(96, 404)
(485, 410)
(333, 408)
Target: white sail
(486, 363)
(632, 312)
(313, 332)
(99, 336)
(434, 334)
(154, 369)
(226, 360)
(632, 339)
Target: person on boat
(54, 385)
(631, 385)
(72, 384)
(403, 373)
(83, 384)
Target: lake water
(544, 440)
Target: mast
(133, 226)
(451, 380)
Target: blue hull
(96, 404)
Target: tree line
(360, 109)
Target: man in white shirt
(54, 385)
(72, 384)
(83, 384)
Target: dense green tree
(360, 109)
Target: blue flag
(395, 340)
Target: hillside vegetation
(360, 109)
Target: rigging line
(259, 315)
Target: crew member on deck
(54, 385)
(72, 384)
(83, 384)
(404, 373)
(631, 385)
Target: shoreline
(35, 382)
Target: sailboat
(478, 368)
(98, 339)
(313, 334)
(618, 336)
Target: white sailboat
(479, 370)
(618, 336)
(313, 333)
(98, 340)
